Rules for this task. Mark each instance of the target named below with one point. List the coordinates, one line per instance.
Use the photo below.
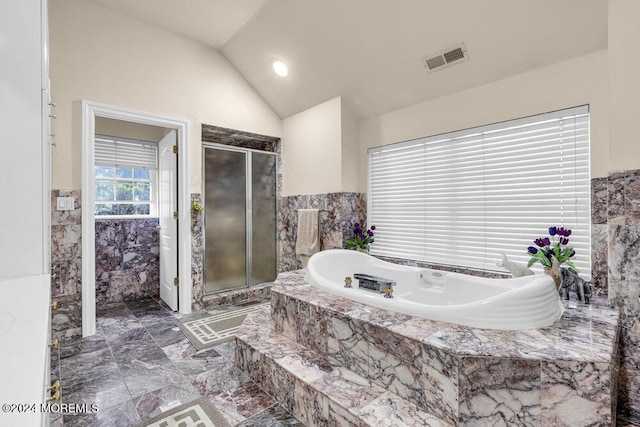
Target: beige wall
(624, 72)
(350, 175)
(311, 150)
(101, 56)
(579, 81)
(320, 150)
(123, 129)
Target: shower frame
(248, 210)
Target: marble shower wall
(338, 213)
(197, 253)
(127, 259)
(66, 266)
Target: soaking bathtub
(527, 302)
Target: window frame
(153, 182)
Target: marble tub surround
(127, 259)
(338, 213)
(461, 375)
(317, 390)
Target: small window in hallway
(463, 198)
(125, 177)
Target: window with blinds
(466, 197)
(125, 177)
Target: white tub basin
(510, 304)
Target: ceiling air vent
(445, 58)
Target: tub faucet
(388, 292)
(374, 283)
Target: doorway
(240, 217)
(174, 207)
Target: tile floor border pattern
(139, 360)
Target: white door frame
(91, 110)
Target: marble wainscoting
(332, 360)
(338, 213)
(127, 259)
(66, 266)
(623, 223)
(197, 254)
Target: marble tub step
(316, 391)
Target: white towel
(308, 238)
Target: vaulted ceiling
(370, 51)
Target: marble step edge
(315, 390)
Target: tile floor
(139, 361)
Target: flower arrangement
(361, 238)
(554, 248)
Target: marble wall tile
(395, 363)
(632, 197)
(616, 198)
(499, 391)
(440, 383)
(66, 320)
(629, 381)
(127, 259)
(599, 200)
(66, 242)
(309, 406)
(347, 345)
(239, 138)
(66, 266)
(339, 211)
(569, 386)
(624, 252)
(623, 219)
(72, 217)
(66, 277)
(197, 254)
(599, 259)
(311, 330)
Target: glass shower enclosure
(240, 217)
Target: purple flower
(552, 231)
(572, 253)
(539, 242)
(356, 225)
(564, 240)
(373, 227)
(532, 250)
(546, 241)
(369, 233)
(567, 232)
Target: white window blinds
(125, 153)
(466, 197)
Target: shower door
(240, 217)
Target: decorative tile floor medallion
(216, 329)
(200, 412)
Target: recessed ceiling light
(280, 68)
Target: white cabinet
(24, 156)
(24, 210)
